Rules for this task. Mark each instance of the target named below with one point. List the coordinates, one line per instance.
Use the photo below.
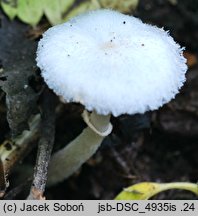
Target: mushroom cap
(111, 63)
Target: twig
(45, 146)
(13, 151)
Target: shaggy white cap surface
(111, 63)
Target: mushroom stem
(67, 160)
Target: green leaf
(81, 8)
(9, 9)
(30, 11)
(146, 190)
(52, 10)
(126, 6)
(66, 4)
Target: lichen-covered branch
(45, 146)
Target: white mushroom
(112, 64)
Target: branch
(45, 146)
